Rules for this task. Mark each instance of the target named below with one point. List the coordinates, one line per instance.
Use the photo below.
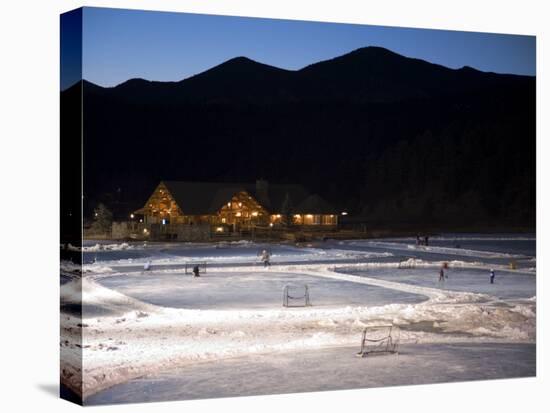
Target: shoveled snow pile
(300, 255)
(107, 247)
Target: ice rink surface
(162, 334)
(328, 369)
(507, 285)
(248, 290)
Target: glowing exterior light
(140, 220)
(219, 229)
(240, 204)
(344, 213)
(229, 204)
(238, 214)
(163, 221)
(145, 230)
(271, 224)
(255, 214)
(132, 216)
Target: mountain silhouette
(380, 134)
(370, 74)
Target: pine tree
(103, 219)
(287, 209)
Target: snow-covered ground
(306, 371)
(236, 252)
(161, 323)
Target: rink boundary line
(227, 267)
(425, 291)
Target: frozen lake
(498, 251)
(242, 290)
(524, 244)
(163, 334)
(507, 285)
(495, 249)
(137, 253)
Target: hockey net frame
(190, 265)
(287, 296)
(380, 339)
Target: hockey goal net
(380, 339)
(296, 296)
(190, 266)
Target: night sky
(70, 48)
(122, 44)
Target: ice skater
(492, 276)
(441, 275)
(147, 266)
(266, 258)
(196, 271)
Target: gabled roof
(202, 198)
(207, 198)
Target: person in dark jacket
(492, 276)
(196, 271)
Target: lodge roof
(206, 198)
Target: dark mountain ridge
(370, 74)
(385, 136)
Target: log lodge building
(177, 209)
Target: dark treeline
(459, 156)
